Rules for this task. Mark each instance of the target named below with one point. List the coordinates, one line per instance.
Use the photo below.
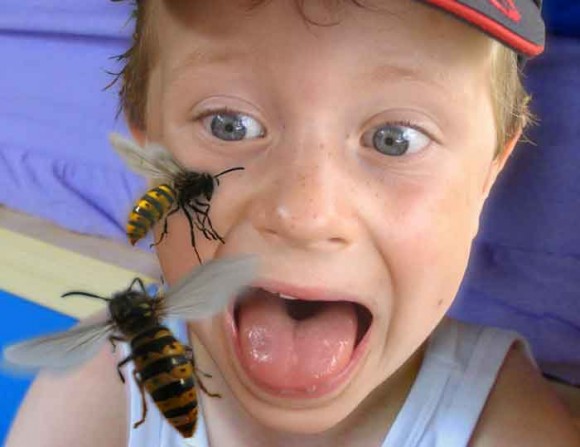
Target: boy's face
(368, 153)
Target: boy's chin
(299, 421)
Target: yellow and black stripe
(167, 374)
(149, 210)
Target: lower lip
(321, 390)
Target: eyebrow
(390, 72)
(200, 56)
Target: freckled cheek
(427, 240)
(446, 234)
(230, 207)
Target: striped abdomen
(167, 375)
(149, 210)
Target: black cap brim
(516, 23)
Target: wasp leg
(201, 226)
(143, 401)
(202, 209)
(165, 224)
(201, 385)
(191, 230)
(201, 218)
(211, 230)
(204, 374)
(189, 356)
(121, 364)
(115, 338)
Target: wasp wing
(153, 161)
(208, 288)
(59, 351)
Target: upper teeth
(286, 297)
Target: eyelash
(215, 111)
(409, 124)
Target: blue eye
(396, 139)
(229, 126)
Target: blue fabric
(562, 17)
(525, 266)
(55, 161)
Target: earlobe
(138, 134)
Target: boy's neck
(228, 424)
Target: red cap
(516, 23)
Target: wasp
(163, 367)
(177, 189)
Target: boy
(371, 134)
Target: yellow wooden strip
(42, 272)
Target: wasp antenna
(90, 295)
(139, 282)
(239, 168)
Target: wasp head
(132, 312)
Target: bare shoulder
(522, 410)
(86, 407)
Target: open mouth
(298, 346)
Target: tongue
(295, 355)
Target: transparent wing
(152, 161)
(208, 289)
(59, 351)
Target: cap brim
(516, 23)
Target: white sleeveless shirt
(459, 369)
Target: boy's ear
(495, 168)
(499, 162)
(138, 134)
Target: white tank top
(459, 369)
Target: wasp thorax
(193, 185)
(132, 312)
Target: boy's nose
(306, 205)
